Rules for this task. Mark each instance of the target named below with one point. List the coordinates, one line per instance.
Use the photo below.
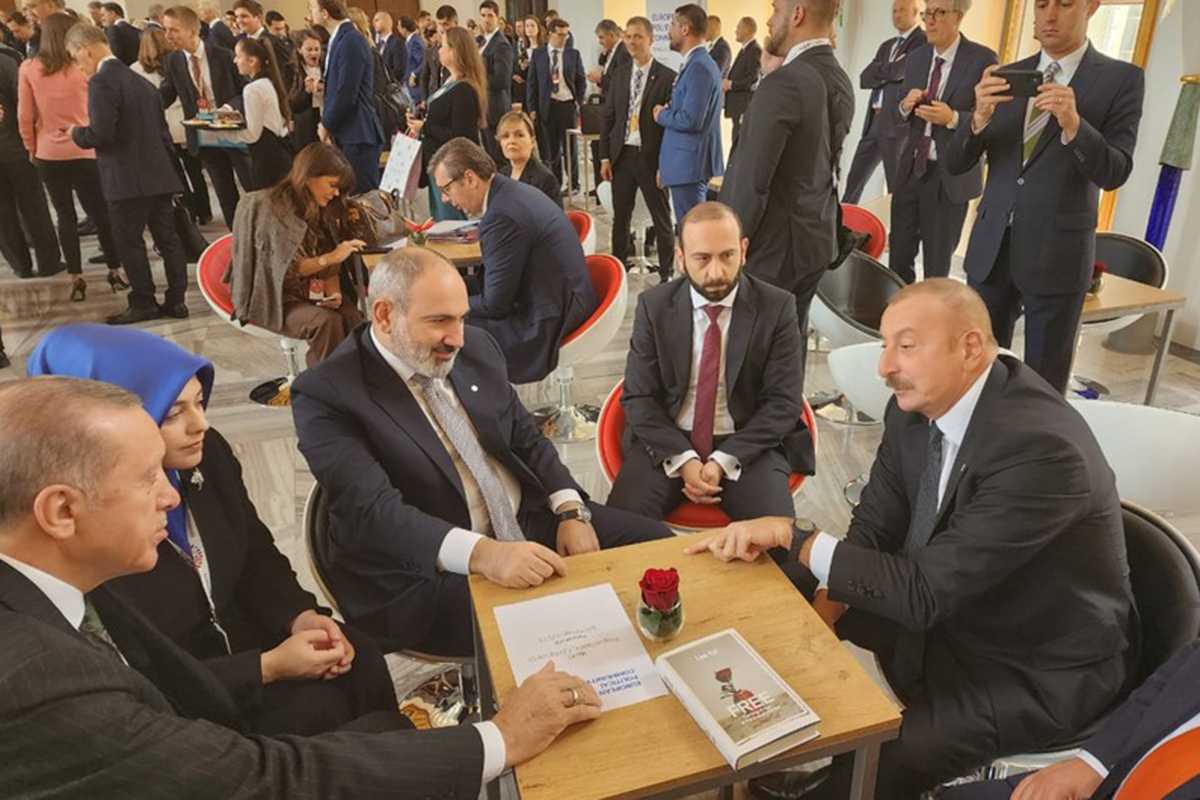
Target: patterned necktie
(925, 143)
(635, 102)
(457, 427)
(554, 77)
(924, 515)
(94, 631)
(1036, 121)
(1166, 768)
(707, 377)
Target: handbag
(383, 214)
(193, 241)
(591, 116)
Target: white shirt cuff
(729, 464)
(494, 752)
(904, 114)
(1094, 763)
(562, 497)
(675, 463)
(820, 558)
(455, 552)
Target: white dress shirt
(1068, 65)
(633, 137)
(722, 421)
(953, 425)
(261, 111)
(487, 39)
(948, 59)
(561, 90)
(896, 45)
(455, 553)
(206, 90)
(804, 47)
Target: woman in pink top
(51, 99)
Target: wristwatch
(801, 529)
(583, 514)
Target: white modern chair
(855, 370)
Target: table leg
(568, 164)
(866, 765)
(1164, 344)
(487, 704)
(586, 149)
(725, 792)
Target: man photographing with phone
(1034, 240)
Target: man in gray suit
(94, 701)
(782, 179)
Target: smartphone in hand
(1021, 82)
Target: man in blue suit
(1034, 240)
(348, 117)
(554, 88)
(536, 287)
(415, 48)
(691, 145)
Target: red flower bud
(660, 588)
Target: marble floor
(278, 478)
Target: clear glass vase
(660, 626)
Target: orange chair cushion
(605, 272)
(582, 222)
(211, 272)
(859, 220)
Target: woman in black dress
(515, 134)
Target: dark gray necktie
(94, 631)
(924, 516)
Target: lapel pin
(474, 388)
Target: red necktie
(706, 385)
(1165, 769)
(924, 144)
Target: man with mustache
(433, 468)
(713, 390)
(985, 565)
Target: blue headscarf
(147, 365)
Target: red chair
(582, 222)
(571, 422)
(693, 516)
(859, 220)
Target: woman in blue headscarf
(221, 589)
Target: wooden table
(1121, 297)
(655, 749)
(462, 255)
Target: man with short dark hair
(277, 25)
(390, 46)
(252, 20)
(433, 74)
(25, 34)
(213, 29)
(124, 39)
(742, 77)
(414, 54)
(554, 91)
(717, 47)
(95, 9)
(497, 52)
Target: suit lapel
(20, 595)
(741, 326)
(957, 70)
(681, 332)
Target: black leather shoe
(132, 315)
(99, 258)
(54, 270)
(4, 362)
(176, 310)
(86, 228)
(788, 785)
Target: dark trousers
(559, 120)
(130, 219)
(83, 178)
(364, 160)
(222, 165)
(869, 154)
(630, 176)
(450, 629)
(687, 196)
(761, 491)
(23, 210)
(737, 129)
(311, 707)
(923, 215)
(1051, 320)
(804, 290)
(196, 187)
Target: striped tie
(1038, 120)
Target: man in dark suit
(348, 117)
(1161, 715)
(613, 54)
(717, 47)
(554, 89)
(203, 77)
(391, 46)
(883, 76)
(695, 432)
(252, 21)
(783, 180)
(743, 75)
(985, 565)
(414, 48)
(630, 141)
(1034, 240)
(433, 74)
(94, 700)
(123, 39)
(536, 288)
(929, 203)
(497, 52)
(133, 147)
(433, 468)
(25, 34)
(691, 147)
(219, 33)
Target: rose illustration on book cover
(730, 692)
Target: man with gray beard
(433, 469)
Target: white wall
(867, 24)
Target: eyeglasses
(444, 188)
(934, 13)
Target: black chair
(1130, 258)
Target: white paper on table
(587, 633)
(450, 227)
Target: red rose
(660, 588)
(1098, 269)
(724, 675)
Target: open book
(743, 706)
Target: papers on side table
(587, 633)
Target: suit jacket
(415, 51)
(536, 285)
(12, 54)
(742, 77)
(763, 374)
(1164, 702)
(782, 181)
(11, 146)
(283, 50)
(349, 110)
(1052, 200)
(538, 87)
(657, 91)
(77, 723)
(1025, 573)
(969, 63)
(454, 113)
(618, 58)
(124, 40)
(432, 73)
(539, 176)
(220, 35)
(393, 491)
(498, 62)
(177, 83)
(885, 75)
(395, 57)
(691, 146)
(722, 54)
(254, 590)
(129, 133)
